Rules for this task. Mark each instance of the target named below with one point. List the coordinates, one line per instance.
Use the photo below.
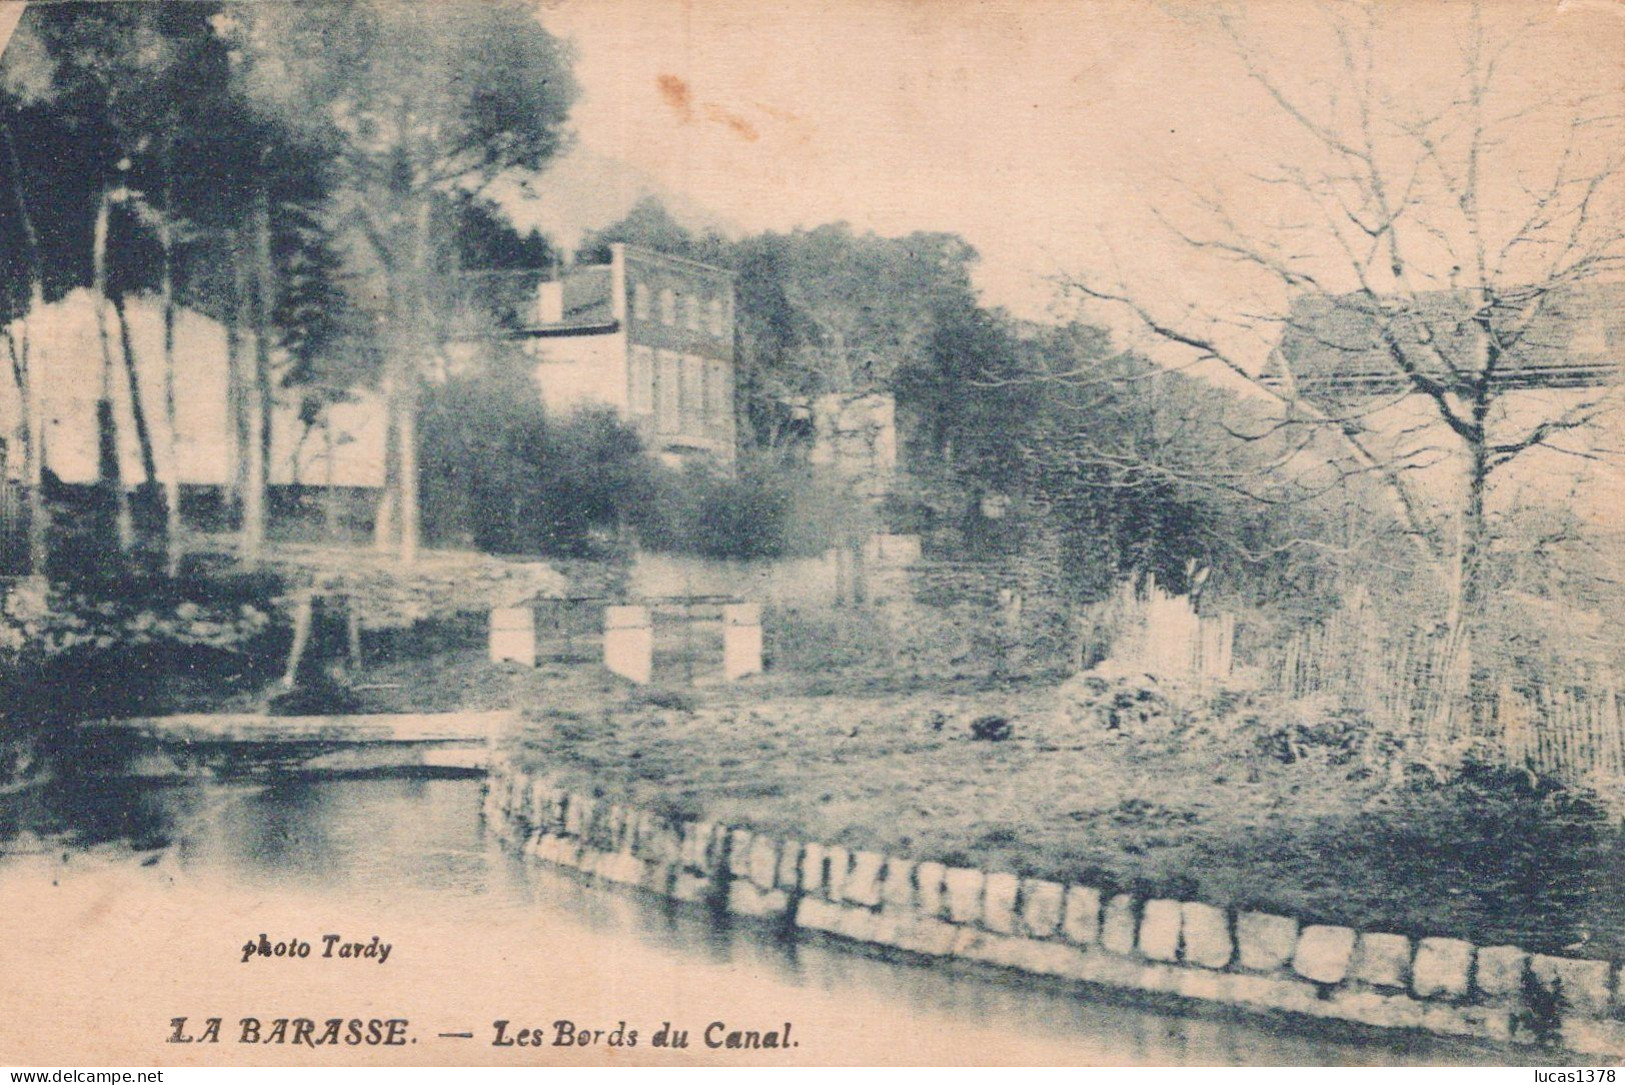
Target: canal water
(142, 916)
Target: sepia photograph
(702, 533)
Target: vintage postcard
(666, 533)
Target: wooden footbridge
(249, 744)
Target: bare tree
(1421, 250)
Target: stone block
(1157, 977)
(739, 853)
(815, 914)
(858, 924)
(1041, 905)
(741, 641)
(897, 884)
(1582, 986)
(762, 867)
(812, 868)
(1080, 916)
(862, 884)
(1382, 960)
(607, 829)
(1323, 953)
(837, 861)
(1000, 950)
(689, 886)
(1375, 1008)
(1264, 942)
(1589, 1036)
(1476, 1022)
(1278, 992)
(1442, 968)
(1499, 972)
(553, 816)
(886, 928)
(999, 902)
(656, 840)
(626, 869)
(629, 643)
(963, 888)
(513, 636)
(535, 803)
(932, 937)
(1199, 983)
(1204, 935)
(745, 898)
(657, 876)
(696, 847)
(930, 896)
(1159, 930)
(578, 811)
(788, 876)
(1119, 925)
(587, 861)
(1107, 969)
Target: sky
(1052, 136)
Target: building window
(640, 301)
(693, 394)
(668, 306)
(642, 392)
(718, 395)
(693, 312)
(666, 392)
(715, 314)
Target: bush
(769, 507)
(825, 640)
(503, 474)
(66, 653)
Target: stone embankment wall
(1252, 960)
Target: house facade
(343, 447)
(649, 335)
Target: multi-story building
(648, 334)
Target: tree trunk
(256, 432)
(172, 480)
(143, 435)
(413, 365)
(111, 469)
(407, 426)
(1471, 587)
(30, 420)
(383, 525)
(238, 317)
(264, 318)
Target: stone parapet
(1189, 949)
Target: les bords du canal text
(504, 1032)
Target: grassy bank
(1308, 830)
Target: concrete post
(741, 640)
(513, 635)
(629, 643)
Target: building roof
(1572, 336)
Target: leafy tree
(145, 170)
(510, 478)
(424, 100)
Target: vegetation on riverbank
(1276, 815)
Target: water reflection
(371, 840)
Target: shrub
(769, 507)
(502, 473)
